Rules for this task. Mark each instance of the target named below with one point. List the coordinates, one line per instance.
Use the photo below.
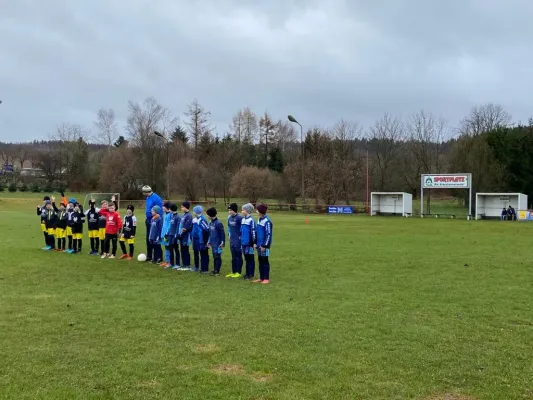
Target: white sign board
(446, 181)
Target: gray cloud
(322, 61)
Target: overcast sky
(60, 61)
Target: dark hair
(211, 212)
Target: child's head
(76, 207)
(62, 206)
(156, 210)
(247, 209)
(232, 209)
(72, 202)
(46, 198)
(185, 206)
(166, 206)
(48, 204)
(262, 209)
(104, 204)
(111, 207)
(174, 208)
(198, 210)
(212, 213)
(130, 209)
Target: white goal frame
(446, 181)
(404, 208)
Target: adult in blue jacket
(152, 199)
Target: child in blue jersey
(200, 236)
(167, 215)
(156, 224)
(216, 240)
(248, 239)
(173, 240)
(184, 236)
(234, 233)
(263, 241)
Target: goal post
(99, 197)
(446, 181)
(490, 205)
(391, 203)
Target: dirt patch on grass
(261, 378)
(238, 370)
(151, 384)
(449, 396)
(206, 348)
(229, 369)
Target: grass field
(358, 308)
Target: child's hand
(221, 245)
(208, 245)
(255, 246)
(53, 198)
(122, 235)
(92, 200)
(113, 198)
(263, 248)
(132, 236)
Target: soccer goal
(490, 205)
(391, 203)
(99, 197)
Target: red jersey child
(112, 228)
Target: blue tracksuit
(216, 241)
(164, 235)
(156, 225)
(185, 223)
(184, 235)
(247, 244)
(200, 237)
(264, 241)
(173, 241)
(234, 233)
(151, 201)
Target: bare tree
(22, 154)
(8, 153)
(385, 137)
(252, 183)
(198, 123)
(266, 133)
(143, 120)
(426, 135)
(484, 119)
(237, 126)
(250, 126)
(107, 127)
(346, 157)
(189, 173)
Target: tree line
(261, 157)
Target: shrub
(12, 187)
(35, 188)
(48, 188)
(23, 188)
(2, 186)
(252, 183)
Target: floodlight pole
(293, 120)
(158, 134)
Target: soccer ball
(141, 257)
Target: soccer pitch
(357, 308)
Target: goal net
(99, 197)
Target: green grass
(358, 308)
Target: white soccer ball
(141, 257)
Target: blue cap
(72, 200)
(198, 210)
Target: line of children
(175, 232)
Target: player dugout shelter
(490, 205)
(391, 203)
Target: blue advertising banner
(340, 210)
